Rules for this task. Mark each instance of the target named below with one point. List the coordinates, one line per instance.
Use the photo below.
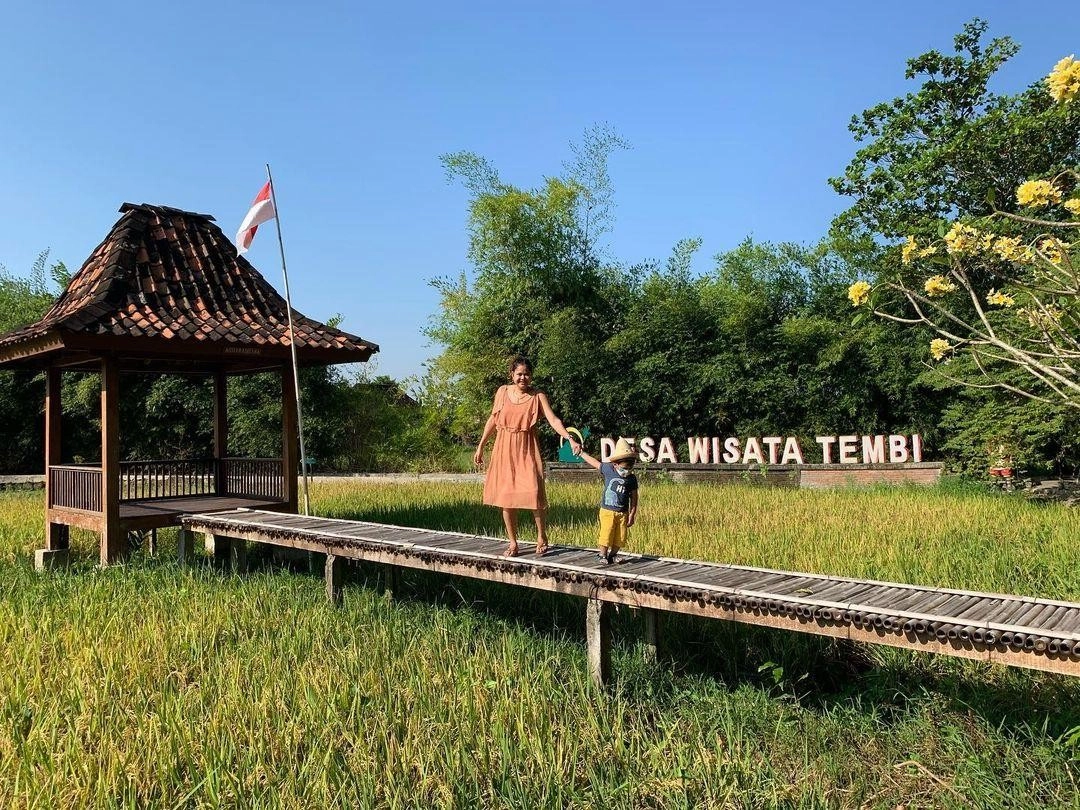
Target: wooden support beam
(335, 578)
(652, 635)
(598, 640)
(391, 580)
(56, 534)
(185, 547)
(222, 550)
(113, 538)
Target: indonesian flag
(262, 210)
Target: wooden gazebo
(166, 292)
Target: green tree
(955, 152)
(539, 286)
(24, 300)
(949, 148)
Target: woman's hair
(520, 360)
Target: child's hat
(623, 451)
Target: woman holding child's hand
(515, 477)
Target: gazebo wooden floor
(154, 513)
(1018, 631)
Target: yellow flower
(1046, 318)
(929, 250)
(939, 347)
(938, 285)
(1000, 299)
(1052, 249)
(1064, 80)
(1011, 249)
(908, 250)
(1073, 206)
(964, 239)
(858, 293)
(1037, 193)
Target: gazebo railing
(75, 486)
(78, 486)
(254, 478)
(164, 478)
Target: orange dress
(515, 478)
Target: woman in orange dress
(515, 477)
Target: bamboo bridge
(1016, 631)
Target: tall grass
(148, 685)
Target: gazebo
(166, 292)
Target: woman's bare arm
(556, 423)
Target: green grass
(148, 685)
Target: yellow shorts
(612, 529)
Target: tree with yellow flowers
(1003, 289)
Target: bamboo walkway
(1012, 630)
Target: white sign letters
(848, 449)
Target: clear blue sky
(737, 113)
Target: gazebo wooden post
(221, 431)
(55, 552)
(289, 438)
(112, 539)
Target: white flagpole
(292, 341)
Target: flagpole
(292, 341)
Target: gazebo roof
(167, 290)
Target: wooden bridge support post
(652, 635)
(335, 578)
(222, 549)
(598, 640)
(391, 580)
(185, 547)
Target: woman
(515, 478)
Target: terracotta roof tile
(166, 273)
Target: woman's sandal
(511, 550)
(542, 548)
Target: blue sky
(737, 114)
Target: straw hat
(623, 451)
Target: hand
(575, 446)
(630, 520)
(478, 457)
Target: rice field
(147, 685)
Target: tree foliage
(758, 345)
(949, 148)
(956, 171)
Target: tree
(949, 148)
(539, 286)
(23, 301)
(1004, 288)
(941, 169)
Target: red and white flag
(262, 210)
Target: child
(618, 506)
